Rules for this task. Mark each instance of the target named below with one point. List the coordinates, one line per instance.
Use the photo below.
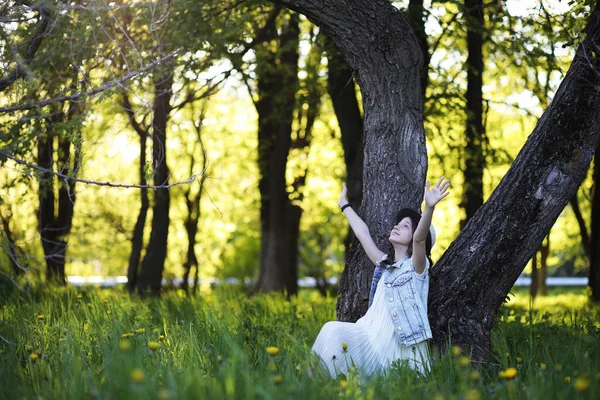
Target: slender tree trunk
(150, 277)
(137, 240)
(13, 249)
(585, 238)
(475, 132)
(533, 288)
(277, 89)
(594, 273)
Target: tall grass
(70, 344)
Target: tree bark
(472, 278)
(380, 47)
(594, 273)
(475, 131)
(137, 240)
(277, 88)
(150, 277)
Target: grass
(104, 344)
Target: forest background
(199, 75)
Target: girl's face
(402, 232)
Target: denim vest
(406, 296)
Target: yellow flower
(137, 375)
(456, 351)
(272, 351)
(558, 367)
(153, 346)
(582, 384)
(161, 337)
(124, 345)
(40, 317)
(542, 366)
(474, 376)
(343, 384)
(344, 346)
(508, 373)
(5, 307)
(141, 330)
(567, 379)
(127, 335)
(464, 361)
(79, 296)
(278, 379)
(33, 356)
(89, 305)
(472, 394)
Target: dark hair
(415, 217)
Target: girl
(395, 326)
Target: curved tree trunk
(594, 274)
(473, 277)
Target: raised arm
(431, 197)
(360, 229)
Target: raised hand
(438, 192)
(343, 196)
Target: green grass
(214, 346)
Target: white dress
(372, 345)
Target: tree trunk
(277, 89)
(594, 273)
(472, 278)
(12, 251)
(137, 241)
(475, 132)
(150, 277)
(583, 231)
(416, 16)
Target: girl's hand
(437, 193)
(344, 196)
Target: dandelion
(278, 379)
(344, 346)
(141, 330)
(161, 337)
(33, 356)
(508, 373)
(456, 351)
(474, 376)
(89, 305)
(582, 384)
(153, 346)
(41, 317)
(79, 296)
(343, 384)
(472, 394)
(558, 367)
(464, 361)
(124, 345)
(137, 375)
(272, 351)
(542, 366)
(127, 335)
